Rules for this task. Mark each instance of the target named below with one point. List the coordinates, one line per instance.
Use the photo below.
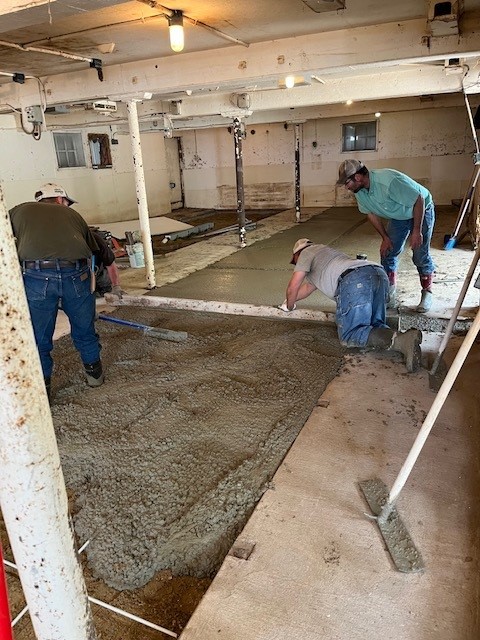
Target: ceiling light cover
(175, 27)
(290, 82)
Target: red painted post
(5, 620)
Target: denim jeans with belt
(361, 298)
(398, 232)
(45, 288)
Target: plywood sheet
(160, 225)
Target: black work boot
(94, 373)
(48, 388)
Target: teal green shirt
(391, 195)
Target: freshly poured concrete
(259, 273)
(319, 568)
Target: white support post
(141, 192)
(33, 497)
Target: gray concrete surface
(319, 568)
(258, 274)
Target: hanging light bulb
(290, 82)
(175, 27)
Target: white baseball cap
(299, 245)
(51, 190)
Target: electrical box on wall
(34, 114)
(240, 100)
(175, 107)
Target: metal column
(32, 490)
(141, 192)
(237, 136)
(297, 172)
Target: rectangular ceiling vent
(104, 106)
(320, 6)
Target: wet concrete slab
(259, 273)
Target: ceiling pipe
(95, 63)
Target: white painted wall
(434, 146)
(103, 194)
(209, 173)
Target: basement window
(100, 150)
(359, 136)
(69, 150)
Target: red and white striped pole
(5, 620)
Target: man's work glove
(284, 307)
(117, 291)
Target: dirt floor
(184, 440)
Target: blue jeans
(398, 232)
(361, 298)
(45, 288)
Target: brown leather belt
(54, 264)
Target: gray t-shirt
(323, 267)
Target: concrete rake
(404, 554)
(154, 332)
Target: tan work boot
(408, 343)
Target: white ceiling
(360, 45)
(140, 31)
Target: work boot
(408, 343)
(426, 281)
(392, 297)
(48, 388)
(392, 290)
(425, 302)
(380, 338)
(94, 373)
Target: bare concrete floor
(319, 568)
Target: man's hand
(416, 239)
(117, 291)
(386, 246)
(284, 307)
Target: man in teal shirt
(398, 207)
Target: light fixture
(349, 102)
(175, 27)
(107, 47)
(377, 114)
(288, 82)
